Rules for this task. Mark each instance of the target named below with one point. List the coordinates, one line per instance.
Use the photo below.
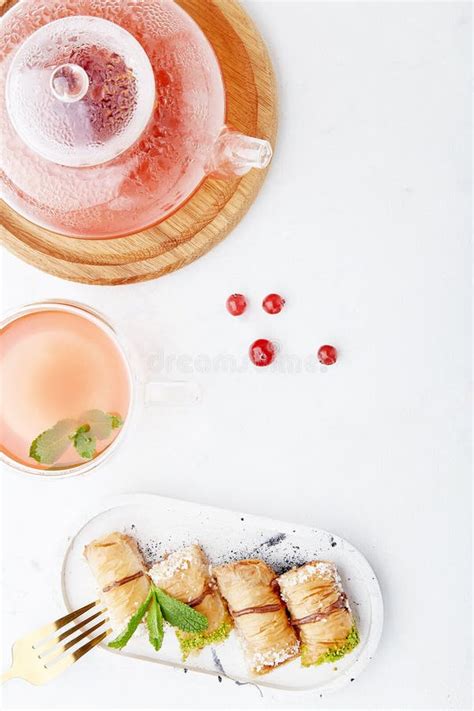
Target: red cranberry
(262, 352)
(327, 355)
(236, 304)
(273, 303)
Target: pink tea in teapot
(111, 112)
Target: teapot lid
(80, 91)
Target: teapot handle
(236, 154)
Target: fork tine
(66, 662)
(55, 652)
(42, 632)
(43, 647)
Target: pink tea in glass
(65, 388)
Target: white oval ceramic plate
(161, 525)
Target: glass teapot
(112, 114)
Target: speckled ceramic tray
(161, 525)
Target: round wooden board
(214, 209)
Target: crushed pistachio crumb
(334, 653)
(195, 642)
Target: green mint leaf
(154, 622)
(84, 442)
(100, 423)
(179, 614)
(125, 636)
(50, 445)
(116, 421)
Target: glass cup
(143, 391)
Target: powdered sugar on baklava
(172, 564)
(273, 657)
(322, 569)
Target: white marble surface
(363, 225)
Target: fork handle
(6, 676)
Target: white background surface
(363, 224)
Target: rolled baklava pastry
(120, 572)
(259, 614)
(185, 575)
(320, 611)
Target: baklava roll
(320, 611)
(259, 615)
(120, 572)
(185, 575)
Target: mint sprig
(50, 445)
(179, 614)
(159, 605)
(84, 442)
(154, 622)
(83, 433)
(116, 421)
(101, 423)
(120, 641)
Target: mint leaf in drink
(84, 442)
(101, 423)
(179, 614)
(154, 622)
(125, 636)
(116, 421)
(50, 445)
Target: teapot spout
(236, 154)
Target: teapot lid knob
(69, 82)
(80, 91)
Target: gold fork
(39, 657)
